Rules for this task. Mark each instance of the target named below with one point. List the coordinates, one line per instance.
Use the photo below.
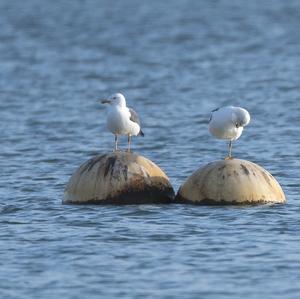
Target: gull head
(241, 117)
(117, 99)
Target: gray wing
(212, 114)
(135, 118)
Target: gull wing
(211, 114)
(135, 118)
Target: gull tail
(141, 133)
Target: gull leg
(116, 142)
(229, 149)
(129, 142)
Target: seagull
(228, 123)
(122, 120)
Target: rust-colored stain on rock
(118, 178)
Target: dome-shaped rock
(231, 181)
(118, 178)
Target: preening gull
(122, 120)
(228, 123)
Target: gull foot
(228, 158)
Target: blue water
(175, 61)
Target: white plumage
(122, 120)
(228, 123)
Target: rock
(118, 178)
(230, 181)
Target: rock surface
(118, 178)
(231, 181)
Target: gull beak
(105, 101)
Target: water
(175, 61)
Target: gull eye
(237, 125)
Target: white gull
(228, 123)
(122, 120)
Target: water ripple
(175, 61)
